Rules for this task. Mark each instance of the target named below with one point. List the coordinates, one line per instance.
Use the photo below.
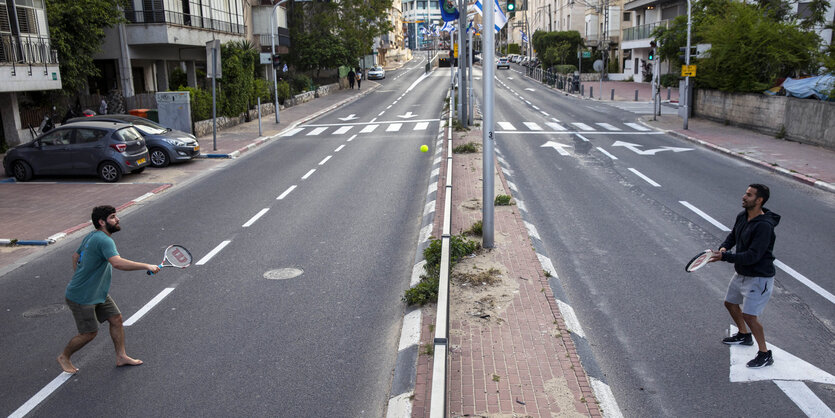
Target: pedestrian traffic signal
(276, 61)
(651, 54)
(511, 5)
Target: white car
(502, 62)
(376, 73)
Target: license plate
(140, 161)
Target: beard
(112, 228)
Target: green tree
(76, 49)
(566, 44)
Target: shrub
(178, 79)
(502, 200)
(468, 148)
(201, 103)
(263, 89)
(283, 91)
(301, 83)
(670, 80)
(427, 290)
(565, 69)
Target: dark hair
(101, 213)
(762, 191)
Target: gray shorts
(750, 292)
(88, 317)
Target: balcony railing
(643, 31)
(26, 49)
(183, 19)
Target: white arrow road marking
(532, 126)
(352, 116)
(408, 115)
(634, 148)
(557, 146)
(637, 127)
(421, 126)
(530, 89)
(555, 126)
(342, 130)
(507, 126)
(788, 372)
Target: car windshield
(128, 134)
(148, 127)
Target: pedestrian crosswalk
(503, 126)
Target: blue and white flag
(524, 37)
(448, 10)
(448, 27)
(499, 19)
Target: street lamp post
(275, 75)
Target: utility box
(174, 109)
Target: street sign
(213, 45)
(266, 58)
(688, 70)
(586, 54)
(598, 65)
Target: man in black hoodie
(751, 286)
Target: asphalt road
(617, 213)
(341, 207)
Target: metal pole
(260, 132)
(214, 101)
(275, 74)
(687, 79)
(462, 63)
(470, 84)
(488, 68)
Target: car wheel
(22, 171)
(138, 170)
(110, 172)
(159, 158)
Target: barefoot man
(87, 294)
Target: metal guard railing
(183, 19)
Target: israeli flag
(498, 16)
(448, 27)
(524, 37)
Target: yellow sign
(456, 51)
(688, 70)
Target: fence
(184, 19)
(33, 117)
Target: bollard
(259, 118)
(669, 89)
(591, 92)
(613, 94)
(636, 95)
(582, 90)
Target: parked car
(502, 62)
(165, 145)
(106, 149)
(376, 73)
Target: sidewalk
(50, 208)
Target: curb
(63, 234)
(811, 181)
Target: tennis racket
(175, 256)
(699, 261)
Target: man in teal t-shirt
(87, 293)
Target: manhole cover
(45, 310)
(283, 274)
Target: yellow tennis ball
(424, 148)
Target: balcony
(644, 31)
(26, 49)
(183, 19)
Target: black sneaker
(739, 338)
(762, 360)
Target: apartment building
(27, 60)
(161, 35)
(646, 15)
(419, 14)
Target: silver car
(376, 73)
(106, 149)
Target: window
(804, 11)
(57, 138)
(627, 16)
(128, 135)
(87, 136)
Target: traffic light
(276, 61)
(511, 6)
(652, 46)
(683, 53)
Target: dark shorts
(88, 317)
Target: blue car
(165, 145)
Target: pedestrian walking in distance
(87, 294)
(351, 78)
(359, 78)
(753, 282)
(103, 107)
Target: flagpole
(488, 65)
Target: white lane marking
(646, 179)
(325, 160)
(352, 138)
(805, 399)
(369, 129)
(421, 126)
(42, 394)
(339, 148)
(316, 131)
(410, 334)
(582, 137)
(212, 253)
(389, 107)
(637, 127)
(555, 120)
(570, 318)
(255, 218)
(507, 126)
(532, 230)
(286, 192)
(582, 126)
(604, 395)
(705, 216)
(381, 113)
(555, 126)
(292, 132)
(527, 101)
(309, 173)
(608, 127)
(535, 107)
(606, 153)
(342, 130)
(802, 279)
(394, 127)
(544, 113)
(148, 306)
(143, 197)
(533, 126)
